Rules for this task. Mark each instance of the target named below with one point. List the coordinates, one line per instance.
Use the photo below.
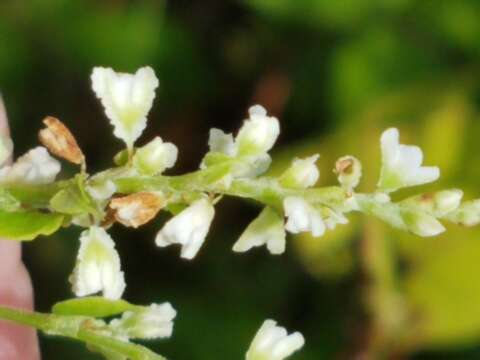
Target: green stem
(78, 328)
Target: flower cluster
(136, 190)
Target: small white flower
(349, 172)
(302, 217)
(303, 173)
(35, 167)
(259, 133)
(223, 143)
(6, 149)
(98, 266)
(127, 99)
(102, 190)
(401, 164)
(155, 157)
(153, 322)
(189, 228)
(267, 229)
(272, 342)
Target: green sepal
(27, 225)
(95, 306)
(121, 158)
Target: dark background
(336, 73)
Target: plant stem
(78, 328)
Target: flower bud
(98, 266)
(401, 164)
(58, 139)
(272, 342)
(349, 172)
(189, 228)
(266, 229)
(421, 223)
(136, 209)
(467, 214)
(155, 157)
(439, 204)
(302, 174)
(258, 134)
(127, 99)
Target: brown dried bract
(59, 140)
(136, 209)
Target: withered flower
(60, 141)
(136, 209)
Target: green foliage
(27, 225)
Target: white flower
(98, 266)
(259, 133)
(303, 173)
(223, 143)
(127, 99)
(189, 228)
(155, 157)
(267, 229)
(272, 342)
(102, 190)
(153, 322)
(349, 172)
(35, 167)
(6, 149)
(302, 217)
(401, 164)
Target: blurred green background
(336, 73)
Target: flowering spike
(266, 229)
(127, 99)
(272, 342)
(98, 266)
(189, 228)
(401, 164)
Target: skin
(16, 342)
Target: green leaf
(95, 306)
(27, 225)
